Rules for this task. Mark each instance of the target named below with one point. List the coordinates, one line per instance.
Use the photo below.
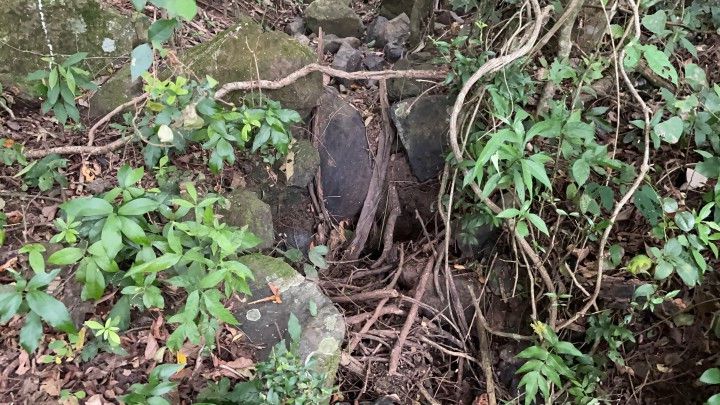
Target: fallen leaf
(23, 363)
(8, 264)
(181, 357)
(94, 400)
(51, 387)
(694, 180)
(14, 217)
(89, 173)
(239, 363)
(481, 399)
(50, 211)
(151, 347)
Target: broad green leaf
(161, 30)
(159, 264)
(568, 348)
(656, 22)
(50, 310)
(138, 206)
(685, 221)
(41, 280)
(128, 176)
(644, 290)
(141, 59)
(581, 171)
(687, 273)
(66, 256)
(538, 223)
(537, 170)
(294, 328)
(10, 301)
(212, 279)
(711, 376)
(533, 352)
(31, 332)
(714, 400)
(530, 383)
(164, 371)
(646, 200)
(111, 236)
(317, 256)
(139, 4)
(94, 285)
(509, 213)
(659, 63)
(87, 207)
(217, 309)
(663, 270)
(133, 231)
(670, 131)
(639, 264)
(695, 76)
(186, 9)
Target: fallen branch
(379, 310)
(394, 204)
(438, 74)
(412, 314)
(367, 296)
(79, 150)
(117, 110)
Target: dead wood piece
(386, 310)
(394, 202)
(316, 67)
(412, 314)
(367, 296)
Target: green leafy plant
(61, 84)
(68, 397)
(711, 376)
(154, 391)
(548, 364)
(282, 379)
(107, 332)
(28, 298)
(45, 173)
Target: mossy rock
(265, 324)
(72, 26)
(237, 54)
(244, 208)
(335, 17)
(393, 8)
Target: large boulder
(422, 124)
(236, 54)
(401, 88)
(419, 11)
(265, 323)
(244, 208)
(344, 157)
(395, 31)
(72, 26)
(334, 17)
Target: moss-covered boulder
(72, 26)
(265, 323)
(244, 208)
(239, 53)
(335, 17)
(393, 8)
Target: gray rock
(393, 8)
(394, 52)
(384, 32)
(347, 58)
(373, 62)
(401, 88)
(344, 157)
(335, 17)
(331, 43)
(303, 39)
(322, 331)
(244, 208)
(295, 27)
(227, 59)
(420, 19)
(305, 162)
(422, 125)
(72, 26)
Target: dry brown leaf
(151, 347)
(51, 387)
(94, 400)
(239, 363)
(50, 211)
(89, 173)
(23, 363)
(481, 399)
(14, 217)
(8, 264)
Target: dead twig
(438, 74)
(367, 296)
(394, 203)
(485, 356)
(117, 110)
(412, 314)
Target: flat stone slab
(265, 324)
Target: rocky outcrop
(334, 17)
(236, 54)
(323, 327)
(422, 125)
(72, 26)
(344, 156)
